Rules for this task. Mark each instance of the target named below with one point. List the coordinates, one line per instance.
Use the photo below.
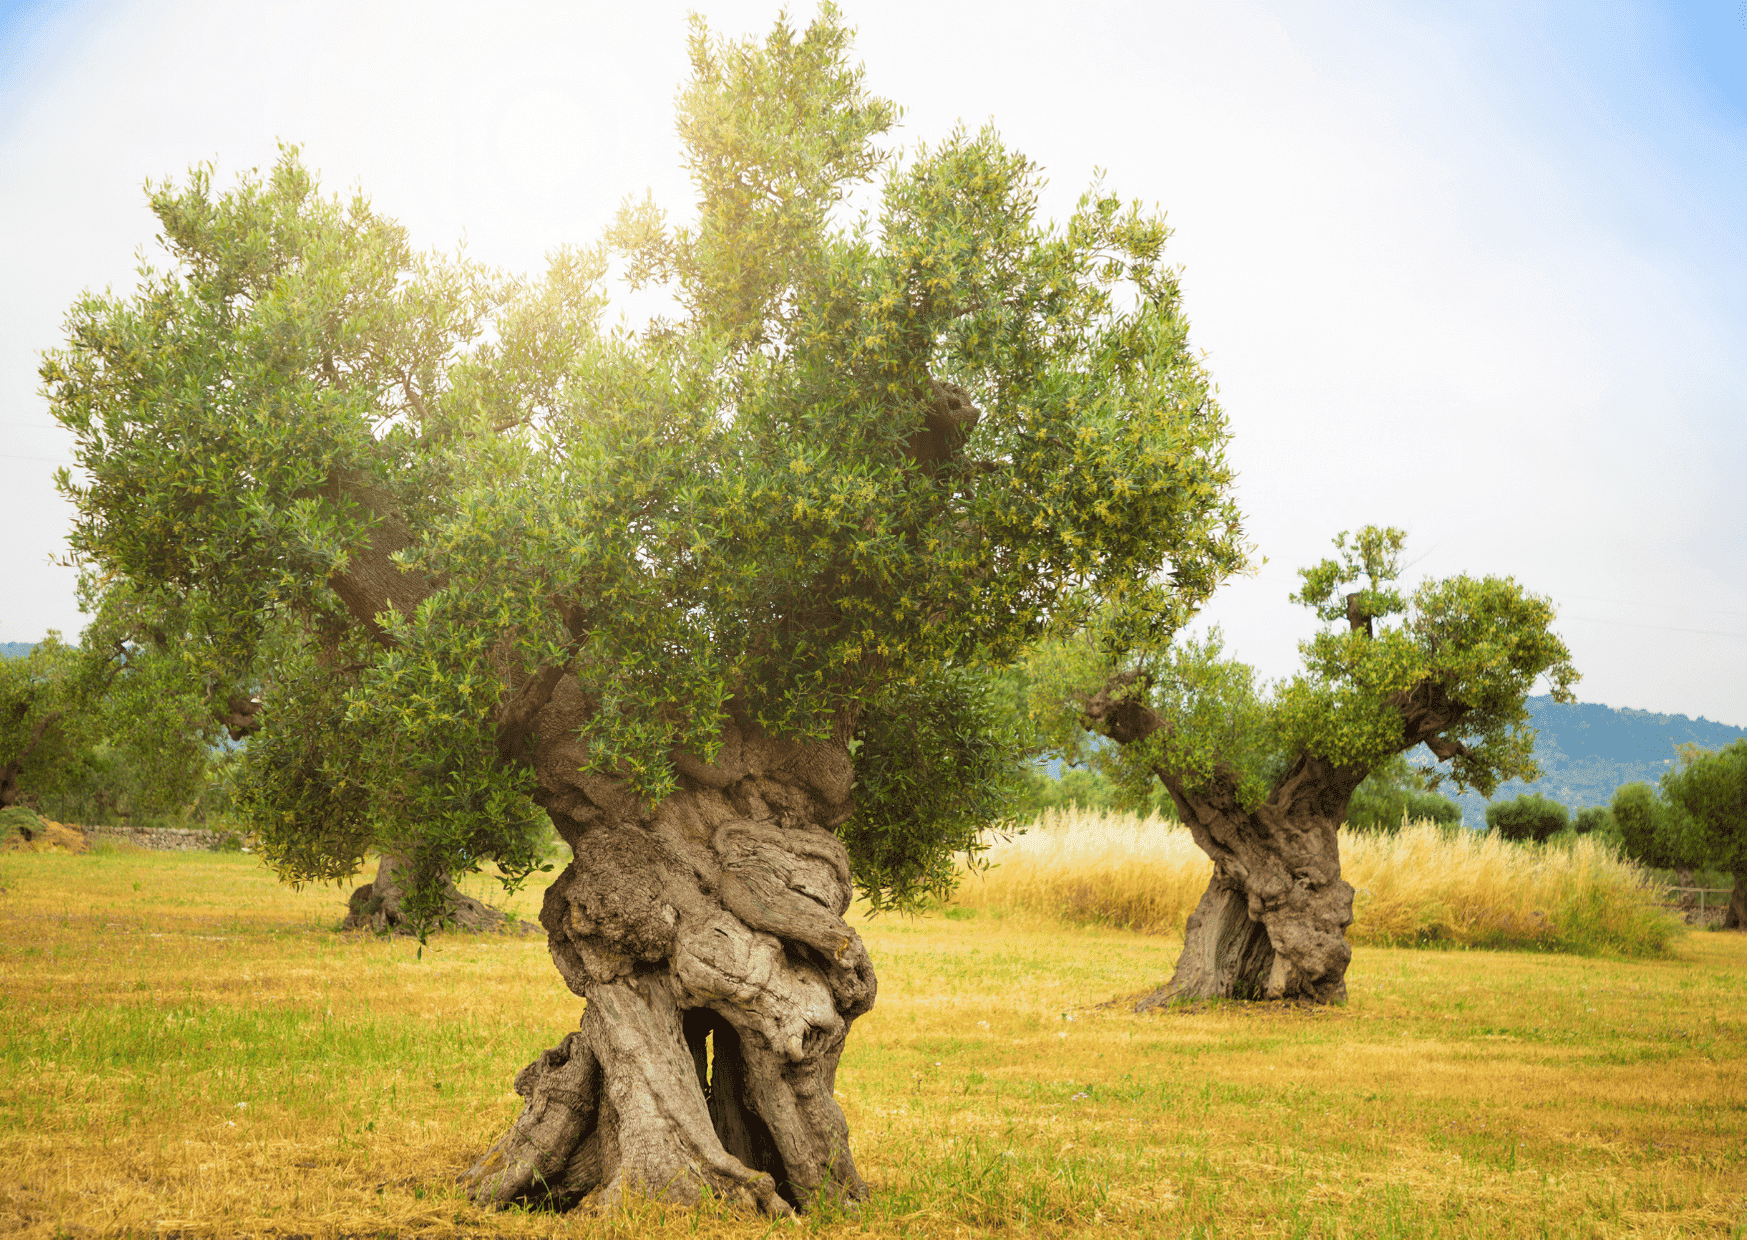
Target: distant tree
(1709, 791)
(44, 724)
(1529, 818)
(1263, 779)
(1644, 824)
(1594, 820)
(123, 721)
(717, 598)
(1394, 793)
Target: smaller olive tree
(1263, 777)
(1708, 794)
(1641, 820)
(41, 732)
(120, 724)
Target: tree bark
(1272, 922)
(1736, 917)
(379, 905)
(706, 936)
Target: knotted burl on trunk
(706, 934)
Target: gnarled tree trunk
(707, 936)
(1736, 917)
(1272, 923)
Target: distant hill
(1587, 750)
(15, 650)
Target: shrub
(1087, 790)
(1592, 819)
(1530, 817)
(16, 820)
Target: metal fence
(1703, 916)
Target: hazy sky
(1475, 270)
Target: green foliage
(1530, 817)
(19, 821)
(1081, 788)
(45, 727)
(1645, 825)
(1374, 554)
(1469, 649)
(1708, 791)
(771, 500)
(1086, 789)
(115, 726)
(1394, 793)
(1594, 819)
(936, 764)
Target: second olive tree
(1263, 776)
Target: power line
(1667, 628)
(1638, 602)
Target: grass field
(187, 1047)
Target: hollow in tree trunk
(707, 937)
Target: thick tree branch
(946, 425)
(372, 583)
(9, 773)
(240, 715)
(1112, 711)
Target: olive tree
(42, 720)
(1708, 825)
(1263, 776)
(119, 722)
(1526, 818)
(714, 597)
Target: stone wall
(163, 839)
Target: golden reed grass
(1423, 886)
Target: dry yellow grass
(1426, 885)
(188, 1048)
(48, 836)
(1092, 867)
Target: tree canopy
(884, 442)
(1452, 673)
(1263, 776)
(1708, 792)
(120, 724)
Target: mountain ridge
(1587, 750)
